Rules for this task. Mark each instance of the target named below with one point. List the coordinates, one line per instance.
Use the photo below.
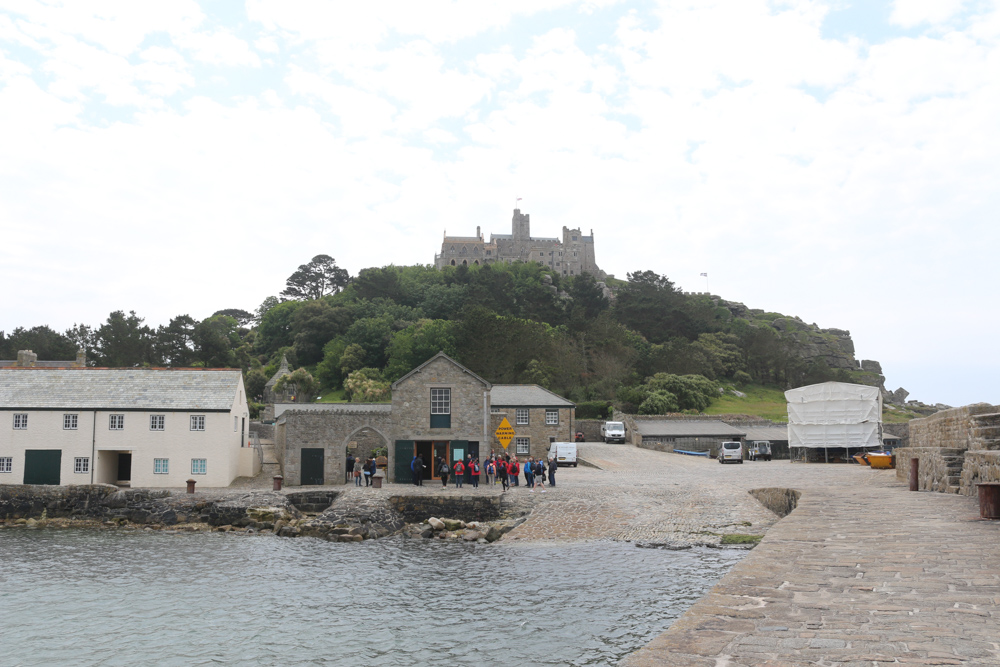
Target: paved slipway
(863, 572)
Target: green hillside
(760, 401)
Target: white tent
(835, 414)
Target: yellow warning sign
(505, 433)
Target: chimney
(479, 233)
(81, 358)
(26, 358)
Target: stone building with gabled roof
(538, 416)
(140, 427)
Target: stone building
(286, 395)
(440, 409)
(570, 255)
(538, 417)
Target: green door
(41, 466)
(401, 467)
(312, 466)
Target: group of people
(499, 469)
(358, 468)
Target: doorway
(124, 476)
(312, 466)
(425, 451)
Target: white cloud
(910, 13)
(218, 48)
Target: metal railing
(255, 443)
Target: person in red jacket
(459, 469)
(513, 469)
(476, 470)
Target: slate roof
(766, 432)
(118, 389)
(332, 408)
(462, 239)
(526, 395)
(686, 428)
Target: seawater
(78, 597)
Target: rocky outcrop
(456, 529)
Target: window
(551, 417)
(574, 238)
(116, 422)
(161, 466)
(441, 408)
(494, 410)
(521, 416)
(199, 466)
(197, 422)
(70, 422)
(20, 421)
(6, 463)
(156, 422)
(522, 445)
(236, 423)
(81, 464)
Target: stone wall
(954, 449)
(591, 429)
(333, 431)
(465, 508)
(902, 431)
(536, 430)
(263, 431)
(940, 468)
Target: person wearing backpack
(539, 473)
(529, 474)
(491, 472)
(512, 471)
(459, 468)
(444, 471)
(475, 473)
(502, 474)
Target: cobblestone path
(859, 574)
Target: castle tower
(522, 226)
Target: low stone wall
(981, 466)
(591, 429)
(104, 502)
(951, 429)
(466, 508)
(940, 468)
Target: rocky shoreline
(323, 514)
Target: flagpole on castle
(705, 276)
(516, 205)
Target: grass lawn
(767, 402)
(327, 395)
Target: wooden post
(914, 472)
(989, 500)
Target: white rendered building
(136, 426)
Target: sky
(830, 159)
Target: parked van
(564, 453)
(731, 451)
(613, 431)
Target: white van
(731, 451)
(564, 453)
(613, 431)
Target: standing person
(413, 470)
(368, 471)
(539, 471)
(513, 470)
(529, 473)
(418, 470)
(491, 472)
(468, 468)
(350, 467)
(552, 471)
(502, 474)
(356, 472)
(459, 468)
(444, 470)
(475, 473)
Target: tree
(47, 344)
(254, 382)
(123, 341)
(175, 342)
(314, 280)
(242, 317)
(216, 340)
(366, 386)
(305, 384)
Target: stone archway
(363, 441)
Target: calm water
(110, 598)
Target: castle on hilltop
(570, 256)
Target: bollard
(190, 484)
(989, 500)
(277, 482)
(914, 471)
